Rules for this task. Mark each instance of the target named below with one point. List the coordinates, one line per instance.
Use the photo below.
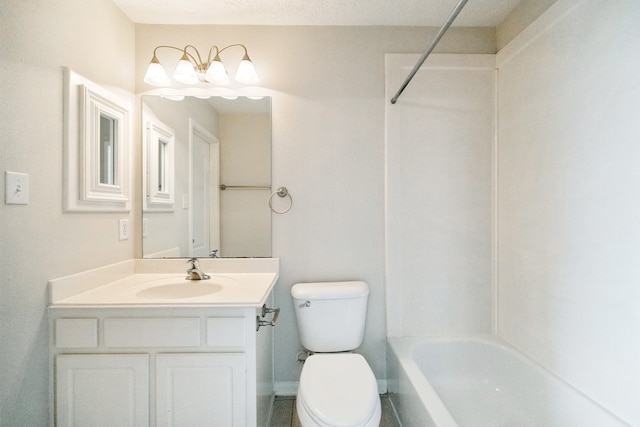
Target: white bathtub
(481, 382)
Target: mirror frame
(85, 104)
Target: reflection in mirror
(158, 168)
(220, 180)
(108, 149)
(162, 165)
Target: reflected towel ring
(281, 192)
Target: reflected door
(205, 192)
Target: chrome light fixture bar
(191, 69)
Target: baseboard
(286, 388)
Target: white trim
(84, 103)
(286, 388)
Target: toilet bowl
(338, 390)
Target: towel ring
(281, 192)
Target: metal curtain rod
(435, 41)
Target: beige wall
(38, 241)
(245, 152)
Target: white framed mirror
(158, 165)
(97, 146)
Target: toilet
(337, 387)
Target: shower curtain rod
(424, 56)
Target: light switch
(16, 188)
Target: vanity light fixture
(191, 69)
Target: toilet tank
(331, 315)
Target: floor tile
(284, 413)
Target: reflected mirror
(108, 149)
(206, 177)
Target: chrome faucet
(194, 273)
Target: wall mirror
(206, 177)
(97, 146)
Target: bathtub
(481, 382)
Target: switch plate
(16, 188)
(123, 229)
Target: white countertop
(234, 284)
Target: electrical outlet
(123, 229)
(145, 225)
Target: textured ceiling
(482, 13)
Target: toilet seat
(339, 390)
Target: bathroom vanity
(142, 346)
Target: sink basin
(191, 289)
(180, 288)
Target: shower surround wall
(439, 195)
(569, 180)
(566, 205)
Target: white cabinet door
(201, 389)
(102, 390)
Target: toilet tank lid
(329, 290)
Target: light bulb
(216, 73)
(246, 74)
(156, 74)
(185, 73)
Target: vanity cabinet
(204, 389)
(159, 366)
(102, 390)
